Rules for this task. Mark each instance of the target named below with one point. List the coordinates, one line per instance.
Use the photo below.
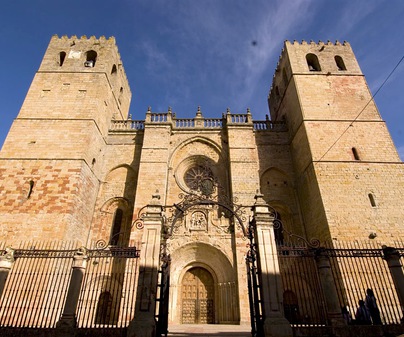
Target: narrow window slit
(355, 153)
(372, 199)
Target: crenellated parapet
(87, 57)
(310, 58)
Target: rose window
(199, 178)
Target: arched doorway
(197, 290)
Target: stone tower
(346, 165)
(76, 167)
(53, 155)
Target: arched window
(104, 308)
(340, 63)
(116, 227)
(312, 62)
(91, 58)
(62, 56)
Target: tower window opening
(116, 227)
(62, 56)
(113, 71)
(340, 63)
(91, 58)
(312, 62)
(372, 199)
(355, 154)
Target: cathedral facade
(76, 166)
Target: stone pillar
(6, 263)
(275, 323)
(68, 319)
(144, 323)
(392, 256)
(334, 313)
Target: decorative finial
(199, 112)
(149, 108)
(228, 110)
(248, 111)
(169, 109)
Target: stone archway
(207, 272)
(197, 297)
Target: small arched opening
(91, 58)
(312, 62)
(340, 63)
(62, 57)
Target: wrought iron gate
(253, 282)
(163, 299)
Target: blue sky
(185, 53)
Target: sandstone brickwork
(75, 166)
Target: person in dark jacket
(370, 302)
(362, 316)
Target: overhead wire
(363, 109)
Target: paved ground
(199, 330)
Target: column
(334, 314)
(68, 318)
(6, 263)
(144, 323)
(392, 256)
(275, 323)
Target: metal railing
(355, 267)
(36, 287)
(360, 266)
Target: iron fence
(303, 300)
(360, 266)
(36, 287)
(355, 266)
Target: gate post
(68, 319)
(275, 323)
(392, 256)
(6, 263)
(327, 282)
(144, 323)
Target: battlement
(320, 43)
(82, 64)
(74, 38)
(313, 59)
(83, 54)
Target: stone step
(199, 330)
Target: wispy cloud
(351, 15)
(272, 26)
